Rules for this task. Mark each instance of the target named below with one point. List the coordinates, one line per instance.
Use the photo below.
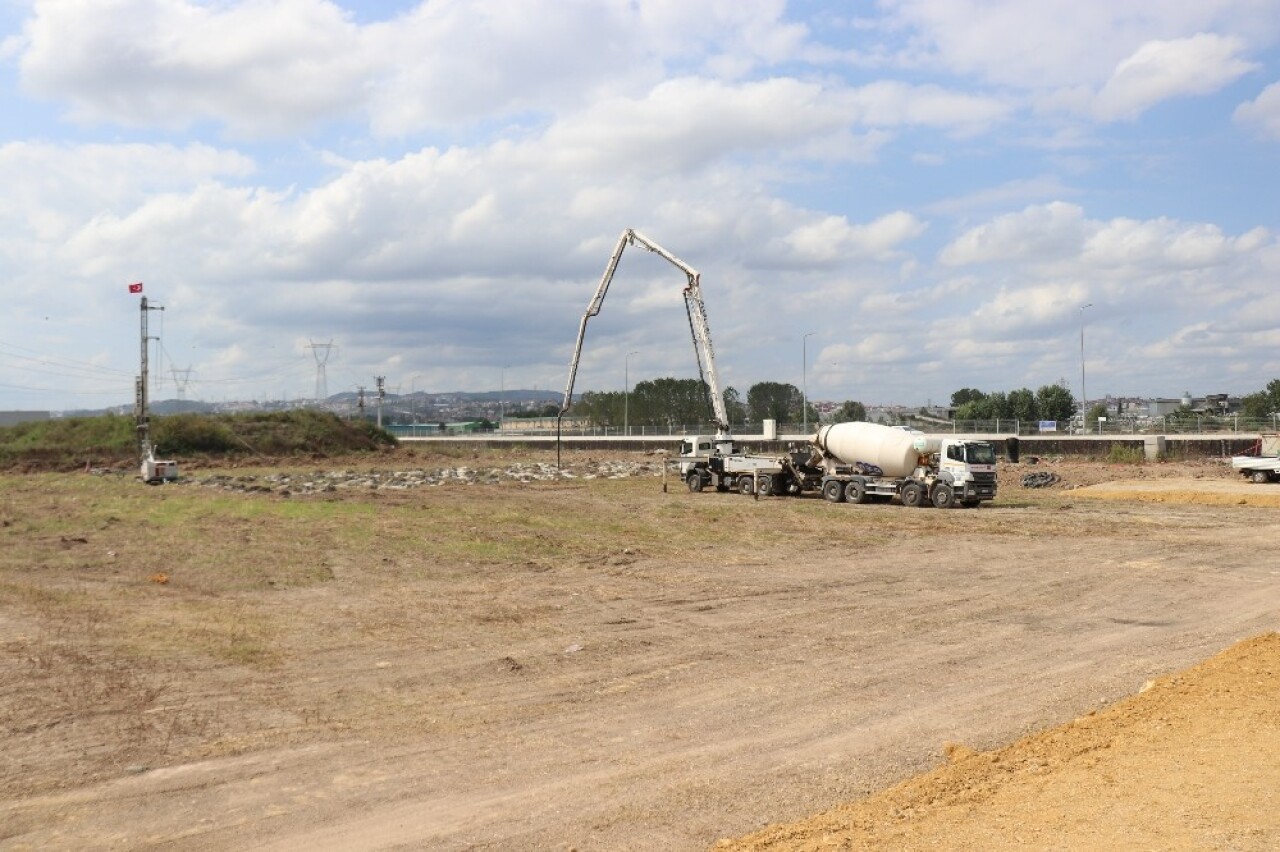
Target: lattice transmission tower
(322, 381)
(181, 378)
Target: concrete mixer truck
(856, 463)
(864, 461)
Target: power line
(62, 390)
(65, 363)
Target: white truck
(1262, 463)
(855, 462)
(706, 464)
(864, 461)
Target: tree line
(664, 404)
(1050, 402)
(1262, 404)
(667, 403)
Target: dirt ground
(596, 664)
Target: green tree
(734, 407)
(601, 408)
(965, 395)
(777, 401)
(1091, 418)
(1264, 403)
(987, 406)
(1022, 405)
(1055, 402)
(1000, 407)
(974, 409)
(667, 403)
(849, 411)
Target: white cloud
(874, 348)
(1262, 113)
(528, 133)
(1052, 45)
(1022, 309)
(894, 104)
(1059, 232)
(1023, 190)
(1161, 244)
(1043, 231)
(1160, 70)
(686, 123)
(50, 189)
(277, 66)
(260, 67)
(832, 238)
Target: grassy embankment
(111, 440)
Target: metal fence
(1121, 426)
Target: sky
(886, 201)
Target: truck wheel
(856, 492)
(912, 495)
(766, 483)
(944, 496)
(694, 481)
(745, 485)
(833, 490)
(1260, 476)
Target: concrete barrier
(1152, 447)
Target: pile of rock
(399, 480)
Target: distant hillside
(110, 439)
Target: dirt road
(552, 666)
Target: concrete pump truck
(857, 462)
(712, 460)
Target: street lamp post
(1084, 396)
(626, 393)
(413, 401)
(804, 381)
(502, 394)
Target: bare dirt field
(476, 662)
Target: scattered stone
(402, 480)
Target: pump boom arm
(694, 306)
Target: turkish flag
(135, 288)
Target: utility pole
(141, 404)
(360, 400)
(502, 396)
(1084, 396)
(322, 381)
(382, 394)
(626, 393)
(804, 381)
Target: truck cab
(719, 463)
(696, 449)
(969, 467)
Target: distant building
(13, 418)
(526, 425)
(1214, 403)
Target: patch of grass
(111, 439)
(1120, 454)
(225, 631)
